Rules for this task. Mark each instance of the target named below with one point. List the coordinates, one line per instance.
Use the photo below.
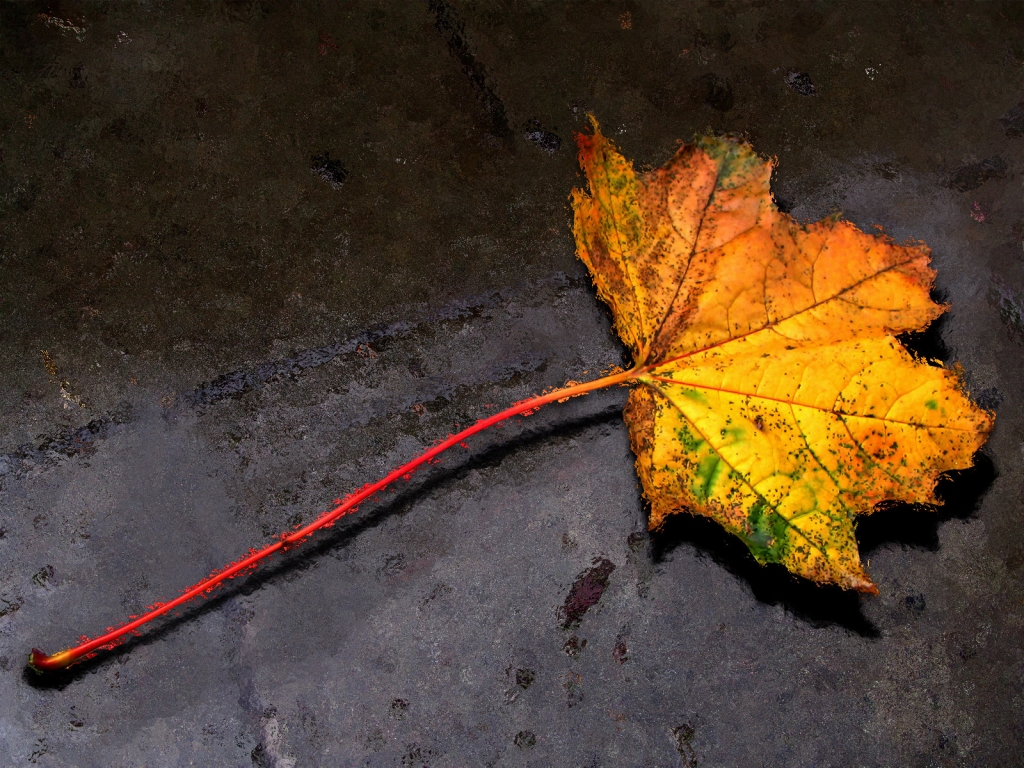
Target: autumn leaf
(772, 393)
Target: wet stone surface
(255, 254)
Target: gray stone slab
(273, 250)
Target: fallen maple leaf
(775, 397)
(769, 390)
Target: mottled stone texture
(272, 249)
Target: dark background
(271, 250)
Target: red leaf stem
(41, 662)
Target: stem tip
(40, 662)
